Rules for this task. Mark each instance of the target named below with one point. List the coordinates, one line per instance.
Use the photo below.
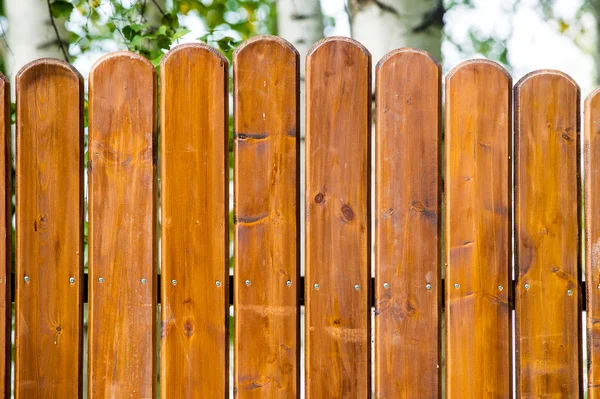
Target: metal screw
(316, 286)
(526, 286)
(456, 285)
(143, 281)
(288, 283)
(598, 287)
(101, 280)
(247, 282)
(174, 282)
(72, 280)
(386, 285)
(428, 286)
(357, 287)
(500, 288)
(569, 292)
(218, 283)
(26, 278)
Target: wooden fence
(417, 241)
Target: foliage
(150, 28)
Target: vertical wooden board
(477, 228)
(407, 244)
(338, 108)
(592, 238)
(266, 98)
(5, 239)
(194, 239)
(49, 225)
(547, 303)
(122, 227)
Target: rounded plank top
(394, 55)
(263, 39)
(185, 49)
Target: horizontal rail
(371, 298)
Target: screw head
(598, 287)
(101, 279)
(247, 282)
(316, 286)
(143, 281)
(174, 282)
(500, 288)
(357, 287)
(386, 285)
(26, 279)
(288, 283)
(72, 280)
(526, 286)
(456, 285)
(428, 286)
(569, 292)
(218, 283)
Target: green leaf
(180, 32)
(61, 9)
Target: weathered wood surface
(477, 228)
(547, 297)
(407, 211)
(592, 234)
(194, 239)
(267, 324)
(50, 213)
(338, 99)
(5, 238)
(122, 227)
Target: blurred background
(523, 35)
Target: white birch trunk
(30, 34)
(384, 25)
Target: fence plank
(592, 237)
(408, 193)
(338, 108)
(5, 239)
(266, 98)
(478, 272)
(548, 308)
(49, 306)
(122, 227)
(195, 251)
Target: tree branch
(61, 45)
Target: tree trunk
(384, 25)
(30, 34)
(301, 23)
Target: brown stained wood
(338, 108)
(477, 228)
(407, 251)
(122, 227)
(194, 239)
(592, 238)
(548, 318)
(50, 211)
(267, 327)
(5, 239)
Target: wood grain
(338, 108)
(194, 214)
(407, 244)
(547, 303)
(50, 211)
(5, 239)
(122, 227)
(477, 242)
(592, 238)
(267, 325)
